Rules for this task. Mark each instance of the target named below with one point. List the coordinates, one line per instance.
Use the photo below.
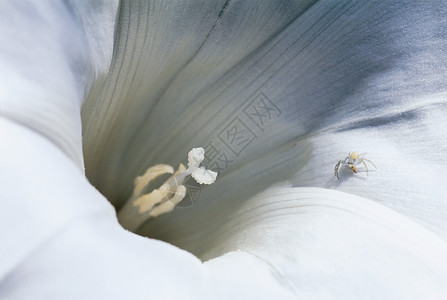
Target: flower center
(141, 207)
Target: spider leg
(362, 154)
(370, 162)
(336, 169)
(366, 167)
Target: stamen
(152, 173)
(139, 208)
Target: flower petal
(64, 242)
(49, 55)
(167, 58)
(326, 80)
(42, 191)
(327, 244)
(61, 240)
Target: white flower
(305, 83)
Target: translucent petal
(307, 84)
(158, 91)
(61, 240)
(331, 245)
(64, 243)
(49, 56)
(281, 92)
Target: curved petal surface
(61, 240)
(295, 242)
(275, 103)
(346, 246)
(156, 104)
(331, 245)
(49, 55)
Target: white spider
(352, 160)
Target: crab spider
(352, 160)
